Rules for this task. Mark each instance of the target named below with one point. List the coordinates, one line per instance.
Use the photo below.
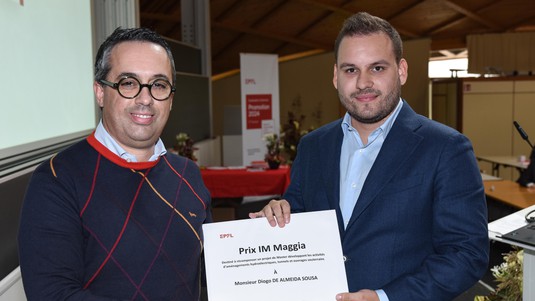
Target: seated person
(527, 177)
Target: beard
(367, 113)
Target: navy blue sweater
(95, 227)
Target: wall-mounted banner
(258, 108)
(259, 103)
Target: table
(236, 183)
(505, 161)
(506, 224)
(487, 177)
(510, 193)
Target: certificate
(250, 260)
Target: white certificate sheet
(250, 260)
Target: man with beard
(407, 190)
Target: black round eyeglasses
(130, 87)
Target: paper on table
(250, 260)
(507, 224)
(510, 222)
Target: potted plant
(509, 277)
(184, 146)
(293, 130)
(274, 146)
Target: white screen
(46, 70)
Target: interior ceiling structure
(302, 27)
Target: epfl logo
(250, 81)
(226, 235)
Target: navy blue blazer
(419, 228)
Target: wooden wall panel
(487, 119)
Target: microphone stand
(522, 133)
(527, 177)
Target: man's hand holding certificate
(251, 260)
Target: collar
(384, 128)
(102, 135)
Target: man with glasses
(115, 217)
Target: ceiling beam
(443, 25)
(270, 35)
(405, 9)
(527, 24)
(474, 16)
(401, 12)
(348, 13)
(451, 55)
(234, 6)
(253, 25)
(162, 17)
(304, 30)
(448, 43)
(332, 8)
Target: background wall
(416, 89)
(503, 53)
(489, 106)
(226, 93)
(306, 87)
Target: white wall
(208, 152)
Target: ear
(403, 70)
(99, 93)
(335, 76)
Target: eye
(378, 68)
(128, 83)
(351, 70)
(160, 85)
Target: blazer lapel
(397, 147)
(332, 141)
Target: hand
(362, 295)
(276, 212)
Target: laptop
(524, 234)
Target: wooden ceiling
(301, 27)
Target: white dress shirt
(107, 140)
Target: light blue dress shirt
(107, 140)
(356, 161)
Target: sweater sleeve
(51, 240)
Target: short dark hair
(363, 24)
(119, 35)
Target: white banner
(259, 103)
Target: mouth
(366, 96)
(142, 118)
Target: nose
(364, 81)
(144, 97)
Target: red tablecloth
(232, 183)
